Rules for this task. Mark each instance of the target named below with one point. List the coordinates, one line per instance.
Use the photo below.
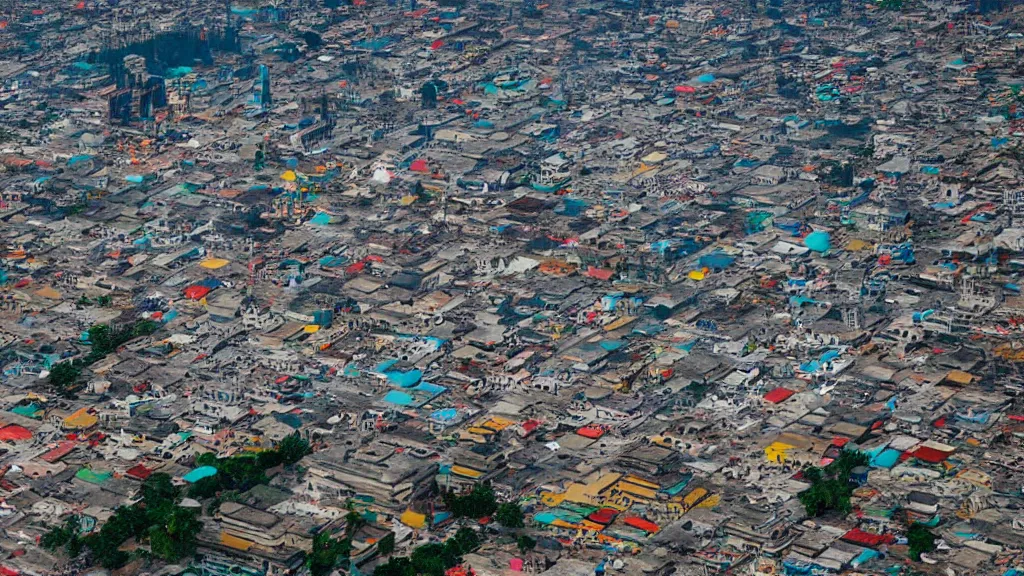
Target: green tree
(312, 39)
(158, 489)
(830, 486)
(510, 515)
(386, 545)
(353, 522)
(478, 503)
(920, 540)
(429, 559)
(176, 538)
(65, 375)
(205, 487)
(396, 566)
(293, 448)
(326, 553)
(100, 336)
(525, 543)
(60, 536)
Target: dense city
(494, 287)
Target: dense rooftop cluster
(454, 288)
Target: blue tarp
(398, 398)
(404, 379)
(445, 415)
(885, 459)
(199, 473)
(321, 219)
(716, 261)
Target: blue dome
(818, 241)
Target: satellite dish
(438, 319)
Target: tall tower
(265, 100)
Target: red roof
(778, 395)
(138, 471)
(62, 450)
(603, 516)
(600, 273)
(196, 292)
(530, 425)
(645, 525)
(858, 536)
(929, 454)
(592, 432)
(419, 165)
(436, 44)
(15, 433)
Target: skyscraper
(265, 100)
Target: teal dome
(818, 241)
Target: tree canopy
(830, 486)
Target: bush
(830, 486)
(61, 536)
(920, 540)
(510, 515)
(326, 552)
(525, 543)
(478, 503)
(64, 375)
(386, 545)
(171, 529)
(292, 449)
(431, 559)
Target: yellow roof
(552, 499)
(498, 423)
(466, 472)
(635, 490)
(959, 377)
(413, 519)
(311, 328)
(235, 542)
(288, 176)
(48, 293)
(619, 323)
(856, 245)
(696, 275)
(602, 483)
(214, 263)
(779, 447)
(641, 482)
(694, 496)
(81, 419)
(576, 493)
(407, 200)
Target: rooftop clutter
(412, 288)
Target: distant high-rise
(265, 100)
